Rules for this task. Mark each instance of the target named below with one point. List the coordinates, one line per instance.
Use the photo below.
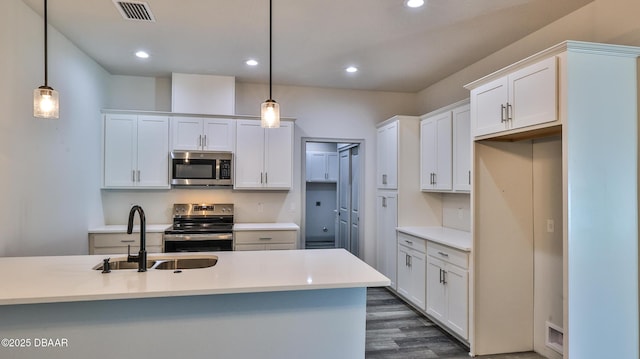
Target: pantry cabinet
(387, 169)
(526, 97)
(203, 134)
(322, 166)
(411, 269)
(448, 287)
(263, 157)
(136, 151)
(461, 117)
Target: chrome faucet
(141, 258)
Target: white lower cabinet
(448, 287)
(265, 240)
(386, 223)
(411, 269)
(117, 243)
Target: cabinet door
(436, 304)
(278, 166)
(153, 151)
(443, 180)
(457, 285)
(249, 155)
(316, 169)
(120, 147)
(386, 223)
(387, 171)
(186, 133)
(488, 107)
(533, 97)
(332, 167)
(219, 134)
(418, 281)
(404, 272)
(461, 149)
(428, 148)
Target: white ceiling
(396, 48)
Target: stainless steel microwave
(201, 168)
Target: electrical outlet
(260, 207)
(460, 213)
(550, 226)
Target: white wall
(319, 113)
(49, 188)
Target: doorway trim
(303, 186)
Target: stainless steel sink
(164, 263)
(187, 263)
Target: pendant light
(270, 110)
(45, 98)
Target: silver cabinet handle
(133, 175)
(261, 178)
(503, 115)
(443, 254)
(408, 242)
(444, 276)
(127, 240)
(435, 178)
(205, 142)
(384, 179)
(138, 173)
(266, 177)
(509, 112)
(264, 238)
(200, 141)
(469, 176)
(384, 202)
(440, 269)
(410, 262)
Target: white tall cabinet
(399, 200)
(136, 151)
(263, 156)
(595, 89)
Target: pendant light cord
(270, 40)
(46, 74)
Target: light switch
(550, 226)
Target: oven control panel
(202, 209)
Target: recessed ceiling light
(252, 62)
(415, 3)
(351, 69)
(142, 54)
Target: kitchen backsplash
(456, 211)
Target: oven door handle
(198, 237)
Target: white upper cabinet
(461, 148)
(263, 157)
(136, 151)
(523, 98)
(387, 169)
(203, 134)
(322, 166)
(435, 152)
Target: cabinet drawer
(448, 254)
(265, 237)
(250, 247)
(416, 243)
(123, 250)
(123, 239)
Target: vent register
(135, 10)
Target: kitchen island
(266, 304)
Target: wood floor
(396, 331)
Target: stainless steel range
(200, 228)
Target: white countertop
(71, 278)
(449, 237)
(265, 227)
(122, 228)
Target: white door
(153, 151)
(391, 155)
(461, 149)
(249, 155)
(436, 305)
(186, 133)
(332, 167)
(418, 281)
(344, 200)
(120, 150)
(533, 94)
(443, 177)
(488, 107)
(278, 164)
(219, 134)
(404, 272)
(457, 299)
(354, 237)
(386, 240)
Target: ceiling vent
(135, 10)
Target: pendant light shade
(270, 110)
(45, 98)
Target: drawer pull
(408, 242)
(128, 240)
(265, 238)
(443, 254)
